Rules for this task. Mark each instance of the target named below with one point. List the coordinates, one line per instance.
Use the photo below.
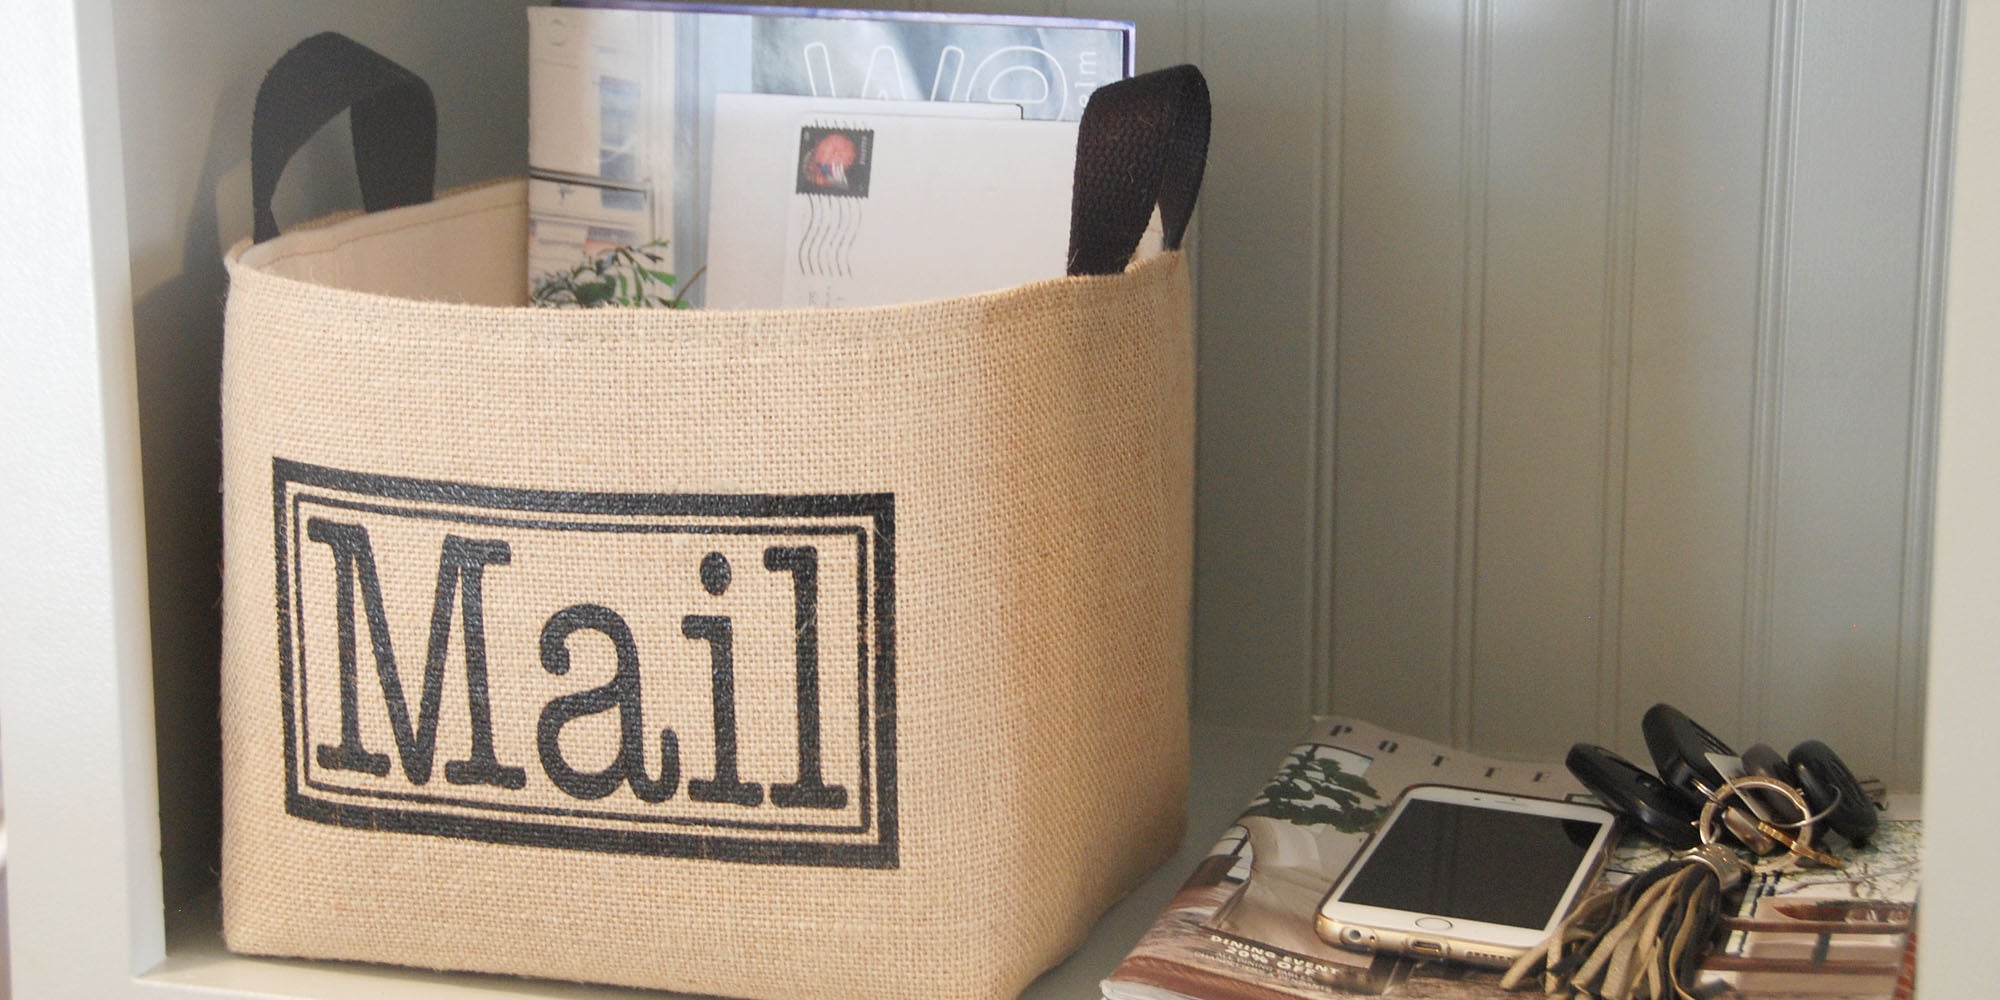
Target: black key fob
(1628, 789)
(1765, 762)
(1829, 787)
(1681, 751)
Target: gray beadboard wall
(1563, 356)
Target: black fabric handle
(1143, 141)
(394, 120)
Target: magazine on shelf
(622, 98)
(1241, 926)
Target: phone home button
(1434, 923)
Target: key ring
(1716, 818)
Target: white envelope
(818, 203)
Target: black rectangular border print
(867, 519)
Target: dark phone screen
(1473, 863)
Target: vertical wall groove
(1333, 34)
(1193, 14)
(1621, 261)
(1473, 178)
(1912, 648)
(1768, 385)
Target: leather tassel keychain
(1640, 941)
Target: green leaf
(617, 275)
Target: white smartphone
(1467, 876)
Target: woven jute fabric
(789, 654)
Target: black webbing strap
(394, 120)
(1142, 141)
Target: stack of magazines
(1241, 926)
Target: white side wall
(1961, 879)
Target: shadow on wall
(180, 293)
(177, 339)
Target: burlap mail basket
(802, 653)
